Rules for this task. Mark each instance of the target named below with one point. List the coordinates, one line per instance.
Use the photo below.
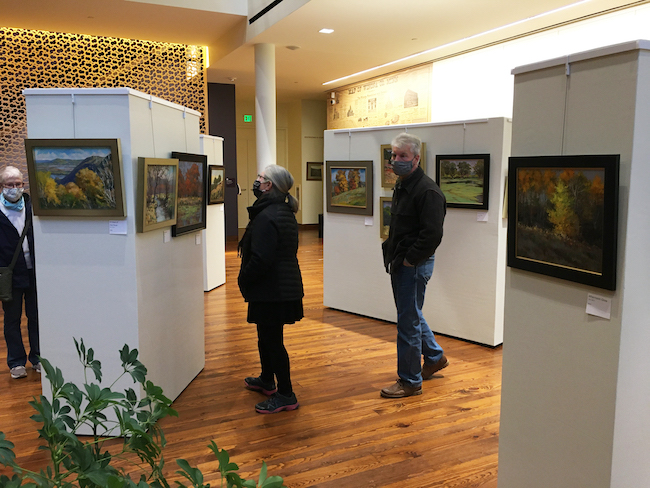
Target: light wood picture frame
(158, 190)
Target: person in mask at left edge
(271, 283)
(15, 213)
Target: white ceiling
(367, 33)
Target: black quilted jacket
(269, 266)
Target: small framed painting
(385, 203)
(464, 179)
(216, 184)
(75, 177)
(191, 205)
(157, 193)
(349, 187)
(563, 217)
(314, 171)
(388, 177)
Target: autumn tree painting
(348, 187)
(560, 216)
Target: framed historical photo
(385, 204)
(191, 204)
(216, 184)
(464, 179)
(388, 177)
(75, 177)
(349, 187)
(158, 188)
(563, 217)
(314, 171)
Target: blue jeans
(414, 337)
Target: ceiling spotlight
(293, 48)
(326, 31)
(232, 79)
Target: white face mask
(12, 194)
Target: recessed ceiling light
(326, 31)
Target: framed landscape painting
(75, 177)
(191, 204)
(216, 184)
(563, 217)
(349, 187)
(314, 171)
(157, 193)
(385, 203)
(464, 179)
(388, 177)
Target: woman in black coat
(271, 283)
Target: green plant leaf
(263, 473)
(7, 456)
(273, 482)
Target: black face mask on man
(256, 189)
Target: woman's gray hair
(9, 171)
(405, 139)
(282, 183)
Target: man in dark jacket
(417, 215)
(15, 213)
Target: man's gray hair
(405, 140)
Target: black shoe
(256, 384)
(277, 403)
(428, 370)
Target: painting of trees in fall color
(565, 215)
(158, 192)
(75, 177)
(349, 187)
(465, 180)
(217, 185)
(191, 193)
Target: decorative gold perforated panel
(39, 59)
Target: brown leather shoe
(401, 390)
(429, 369)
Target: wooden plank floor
(343, 435)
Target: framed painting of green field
(464, 179)
(157, 193)
(75, 177)
(563, 217)
(216, 184)
(385, 203)
(388, 177)
(191, 205)
(348, 187)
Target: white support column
(265, 107)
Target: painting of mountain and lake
(75, 177)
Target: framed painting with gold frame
(158, 190)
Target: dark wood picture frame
(75, 177)
(464, 179)
(342, 199)
(314, 171)
(216, 184)
(563, 217)
(191, 196)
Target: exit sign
(248, 118)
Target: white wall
(480, 84)
(313, 122)
(117, 289)
(214, 235)
(575, 387)
(464, 298)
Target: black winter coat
(9, 238)
(269, 267)
(417, 217)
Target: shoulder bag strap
(28, 222)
